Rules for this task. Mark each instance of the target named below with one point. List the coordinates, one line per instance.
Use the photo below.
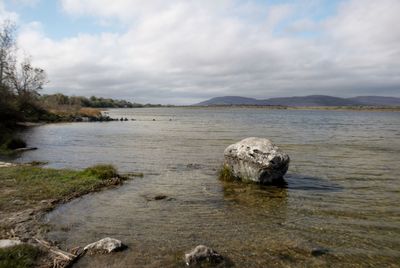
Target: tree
(20, 82)
(26, 81)
(7, 48)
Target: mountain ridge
(302, 101)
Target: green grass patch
(101, 171)
(24, 186)
(20, 256)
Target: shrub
(15, 143)
(103, 172)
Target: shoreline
(26, 224)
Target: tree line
(79, 101)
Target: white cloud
(7, 15)
(184, 51)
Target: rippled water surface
(342, 196)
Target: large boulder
(256, 160)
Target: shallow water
(342, 195)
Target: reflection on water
(342, 190)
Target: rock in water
(257, 160)
(105, 245)
(202, 254)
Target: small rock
(7, 243)
(105, 245)
(202, 253)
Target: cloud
(185, 51)
(7, 15)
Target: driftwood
(63, 258)
(25, 149)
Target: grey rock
(7, 243)
(202, 253)
(106, 245)
(257, 160)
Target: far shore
(300, 108)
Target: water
(343, 188)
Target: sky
(186, 51)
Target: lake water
(343, 191)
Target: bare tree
(7, 48)
(26, 80)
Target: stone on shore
(5, 164)
(7, 243)
(105, 245)
(201, 254)
(256, 160)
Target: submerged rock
(202, 253)
(160, 197)
(7, 243)
(257, 160)
(105, 245)
(316, 252)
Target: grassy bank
(23, 187)
(28, 192)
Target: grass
(20, 256)
(67, 111)
(24, 186)
(225, 174)
(101, 171)
(90, 112)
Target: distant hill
(377, 100)
(312, 100)
(230, 100)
